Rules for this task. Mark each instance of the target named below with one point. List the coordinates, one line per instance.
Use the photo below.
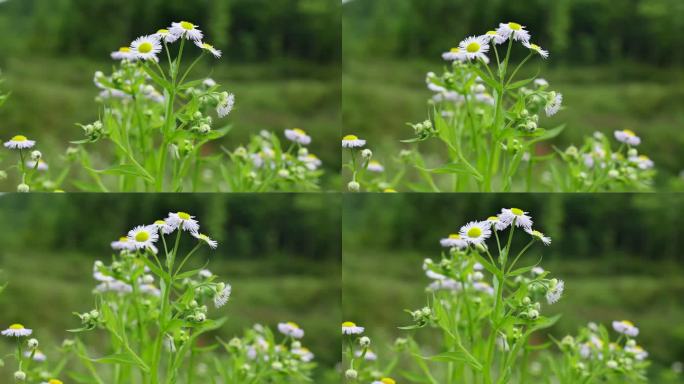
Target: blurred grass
(45, 288)
(379, 284)
(50, 95)
(379, 97)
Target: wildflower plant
(159, 121)
(152, 315)
(486, 308)
(489, 122)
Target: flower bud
(351, 374)
(284, 173)
(366, 153)
(23, 188)
(33, 343)
(36, 155)
(364, 341)
(19, 376)
(277, 365)
(353, 186)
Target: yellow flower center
(16, 326)
(187, 25)
(124, 49)
(159, 222)
(350, 138)
(644, 158)
(537, 234)
(348, 324)
(55, 381)
(142, 236)
(629, 133)
(492, 218)
(299, 131)
(455, 236)
(473, 47)
(123, 239)
(455, 50)
(535, 47)
(475, 232)
(145, 47)
(203, 237)
(19, 138)
(517, 211)
(207, 46)
(293, 325)
(491, 33)
(514, 26)
(183, 216)
(387, 380)
(163, 31)
(390, 190)
(627, 323)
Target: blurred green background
(621, 257)
(619, 65)
(281, 59)
(280, 252)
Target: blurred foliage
(576, 31)
(252, 30)
(280, 252)
(620, 256)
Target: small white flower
(37, 355)
(205, 274)
(124, 53)
(553, 104)
(183, 220)
(166, 36)
(534, 47)
(453, 241)
(298, 135)
(311, 161)
(638, 352)
(115, 286)
(369, 356)
(209, 48)
(16, 330)
(513, 31)
(150, 289)
(164, 227)
(494, 36)
(19, 142)
(539, 236)
(350, 328)
(625, 136)
(352, 141)
(226, 105)
(481, 286)
(517, 216)
(475, 47)
(146, 47)
(222, 295)
(304, 354)
(454, 54)
(537, 271)
(626, 328)
(555, 291)
(143, 236)
(541, 83)
(123, 244)
(39, 165)
(476, 232)
(209, 82)
(291, 329)
(385, 380)
(206, 239)
(375, 166)
(497, 223)
(642, 162)
(186, 30)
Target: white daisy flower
(209, 48)
(553, 104)
(206, 239)
(555, 291)
(517, 216)
(369, 356)
(123, 244)
(513, 31)
(454, 54)
(445, 285)
(146, 47)
(186, 30)
(304, 354)
(539, 236)
(298, 135)
(124, 53)
(475, 47)
(350, 328)
(352, 141)
(226, 105)
(291, 329)
(209, 82)
(16, 330)
(164, 227)
(375, 166)
(537, 271)
(476, 232)
(534, 47)
(150, 289)
(37, 355)
(385, 380)
(642, 162)
(638, 352)
(99, 276)
(143, 236)
(39, 165)
(115, 286)
(481, 286)
(434, 275)
(497, 223)
(453, 241)
(19, 142)
(625, 136)
(222, 294)
(541, 83)
(166, 36)
(183, 220)
(626, 328)
(311, 161)
(205, 274)
(494, 36)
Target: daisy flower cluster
(594, 352)
(267, 163)
(32, 366)
(597, 167)
(361, 363)
(367, 173)
(31, 167)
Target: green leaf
(456, 357)
(548, 134)
(452, 168)
(125, 170)
(520, 83)
(122, 358)
(491, 268)
(157, 79)
(488, 80)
